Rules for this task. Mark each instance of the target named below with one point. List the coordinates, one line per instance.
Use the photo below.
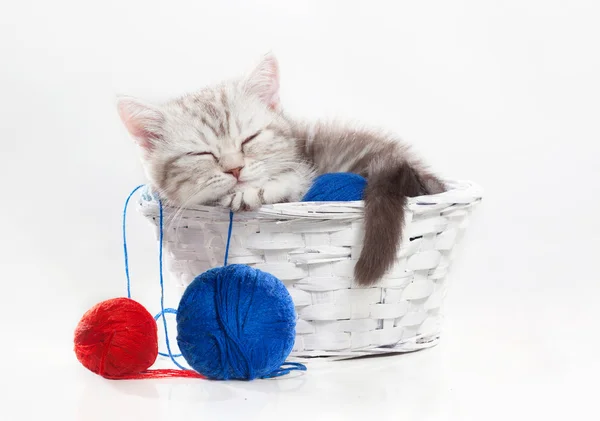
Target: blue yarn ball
(236, 322)
(336, 187)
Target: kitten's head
(198, 148)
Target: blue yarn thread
(163, 311)
(284, 369)
(228, 237)
(125, 254)
(162, 286)
(168, 310)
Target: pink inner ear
(143, 137)
(139, 132)
(141, 122)
(272, 98)
(264, 81)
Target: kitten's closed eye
(201, 154)
(249, 138)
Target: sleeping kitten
(232, 145)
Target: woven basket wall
(313, 247)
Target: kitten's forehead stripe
(184, 106)
(211, 110)
(227, 119)
(210, 127)
(224, 101)
(225, 104)
(200, 134)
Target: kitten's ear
(143, 121)
(264, 81)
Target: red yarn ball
(117, 338)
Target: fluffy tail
(385, 198)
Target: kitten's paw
(245, 200)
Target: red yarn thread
(118, 339)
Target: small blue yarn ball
(336, 187)
(236, 322)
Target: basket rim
(461, 192)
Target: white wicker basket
(313, 247)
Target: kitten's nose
(235, 172)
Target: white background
(505, 93)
